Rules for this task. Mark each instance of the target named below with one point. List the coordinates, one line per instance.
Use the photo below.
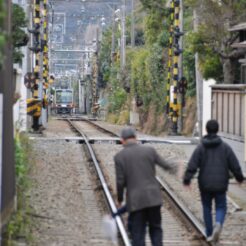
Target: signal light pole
(36, 49)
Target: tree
(213, 40)
(19, 37)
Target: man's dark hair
(212, 126)
(128, 133)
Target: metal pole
(132, 24)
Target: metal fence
(228, 107)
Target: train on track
(63, 101)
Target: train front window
(64, 97)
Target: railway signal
(174, 52)
(38, 81)
(170, 54)
(29, 80)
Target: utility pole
(7, 163)
(181, 93)
(132, 24)
(113, 38)
(123, 36)
(176, 64)
(45, 73)
(199, 80)
(170, 58)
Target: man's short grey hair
(127, 133)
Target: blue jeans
(139, 220)
(220, 207)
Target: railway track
(108, 196)
(180, 226)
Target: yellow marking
(35, 93)
(37, 7)
(37, 20)
(175, 71)
(36, 69)
(178, 106)
(175, 59)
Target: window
(64, 96)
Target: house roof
(238, 27)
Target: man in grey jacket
(135, 172)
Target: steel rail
(101, 128)
(107, 193)
(183, 208)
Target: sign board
(29, 80)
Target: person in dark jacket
(135, 172)
(214, 159)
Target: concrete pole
(43, 117)
(181, 28)
(123, 36)
(7, 179)
(245, 126)
(113, 37)
(132, 24)
(199, 81)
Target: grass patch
(19, 227)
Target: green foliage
(18, 34)
(210, 62)
(146, 65)
(189, 72)
(154, 4)
(155, 28)
(22, 151)
(105, 59)
(117, 95)
(2, 37)
(117, 99)
(19, 224)
(148, 76)
(212, 67)
(212, 40)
